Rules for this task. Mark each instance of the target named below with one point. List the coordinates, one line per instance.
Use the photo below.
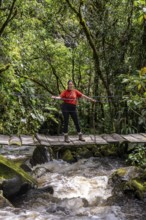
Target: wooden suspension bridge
(45, 140)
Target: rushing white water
(81, 190)
(75, 180)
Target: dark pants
(70, 110)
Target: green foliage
(45, 43)
(135, 96)
(138, 156)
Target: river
(81, 192)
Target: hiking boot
(81, 137)
(66, 138)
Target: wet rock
(26, 168)
(35, 197)
(126, 180)
(40, 156)
(4, 202)
(48, 189)
(34, 193)
(12, 186)
(126, 173)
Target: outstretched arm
(56, 97)
(88, 98)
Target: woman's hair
(69, 81)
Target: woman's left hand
(93, 100)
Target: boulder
(126, 173)
(13, 178)
(67, 156)
(40, 156)
(127, 180)
(10, 169)
(11, 186)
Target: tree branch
(92, 45)
(48, 59)
(5, 68)
(9, 18)
(41, 84)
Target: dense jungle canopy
(100, 44)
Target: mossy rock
(137, 187)
(67, 156)
(9, 169)
(127, 180)
(108, 150)
(121, 172)
(84, 152)
(95, 150)
(126, 173)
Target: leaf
(139, 87)
(125, 80)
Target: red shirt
(71, 96)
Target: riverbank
(85, 189)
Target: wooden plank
(130, 138)
(140, 137)
(143, 134)
(88, 139)
(54, 140)
(4, 139)
(118, 137)
(42, 139)
(98, 139)
(15, 140)
(109, 138)
(61, 140)
(75, 140)
(28, 140)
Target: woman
(70, 97)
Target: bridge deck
(40, 139)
